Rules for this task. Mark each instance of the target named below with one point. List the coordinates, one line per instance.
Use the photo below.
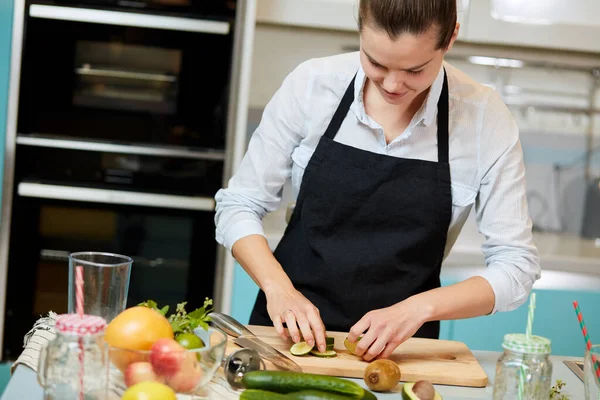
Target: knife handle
(229, 324)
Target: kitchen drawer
(245, 291)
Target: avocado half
(408, 394)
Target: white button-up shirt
(486, 162)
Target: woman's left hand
(387, 328)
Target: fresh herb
(182, 321)
(555, 391)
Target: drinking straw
(79, 306)
(586, 338)
(528, 331)
(530, 316)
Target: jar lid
(519, 342)
(86, 325)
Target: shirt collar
(426, 113)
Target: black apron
(368, 230)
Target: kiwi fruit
(382, 375)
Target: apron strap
(442, 117)
(442, 122)
(342, 110)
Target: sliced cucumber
(329, 342)
(287, 382)
(326, 353)
(301, 349)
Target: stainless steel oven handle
(128, 19)
(72, 193)
(167, 151)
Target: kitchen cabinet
(6, 7)
(483, 28)
(339, 15)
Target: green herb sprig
(555, 391)
(181, 321)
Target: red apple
(138, 372)
(188, 376)
(166, 356)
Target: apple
(188, 376)
(167, 356)
(138, 372)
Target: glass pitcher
(74, 366)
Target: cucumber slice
(301, 349)
(326, 353)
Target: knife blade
(245, 338)
(267, 352)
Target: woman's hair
(397, 17)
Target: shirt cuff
(502, 284)
(239, 230)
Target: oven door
(123, 76)
(59, 208)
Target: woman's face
(401, 68)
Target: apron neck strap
(442, 117)
(442, 122)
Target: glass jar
(78, 343)
(527, 361)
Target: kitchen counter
(24, 385)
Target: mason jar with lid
(78, 343)
(524, 361)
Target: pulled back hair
(396, 17)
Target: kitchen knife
(245, 338)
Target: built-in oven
(118, 144)
(127, 75)
(159, 210)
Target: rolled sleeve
(501, 208)
(256, 188)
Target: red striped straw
(586, 338)
(79, 306)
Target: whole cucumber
(315, 395)
(255, 394)
(288, 381)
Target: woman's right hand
(299, 314)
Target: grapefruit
(135, 329)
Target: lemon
(149, 391)
(301, 349)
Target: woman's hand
(299, 314)
(387, 328)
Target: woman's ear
(454, 36)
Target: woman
(387, 149)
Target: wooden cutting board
(441, 362)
